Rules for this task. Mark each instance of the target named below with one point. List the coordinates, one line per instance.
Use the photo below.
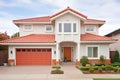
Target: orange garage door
(33, 56)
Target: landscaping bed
(108, 69)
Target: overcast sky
(108, 10)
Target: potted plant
(65, 59)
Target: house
(115, 34)
(114, 46)
(64, 36)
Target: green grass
(106, 79)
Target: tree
(116, 57)
(17, 34)
(3, 36)
(84, 60)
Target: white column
(57, 52)
(78, 51)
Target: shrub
(95, 67)
(102, 59)
(115, 64)
(99, 64)
(84, 60)
(57, 71)
(108, 67)
(100, 69)
(91, 70)
(103, 67)
(84, 68)
(116, 57)
(57, 66)
(115, 69)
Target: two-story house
(66, 35)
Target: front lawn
(106, 79)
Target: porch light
(54, 52)
(11, 52)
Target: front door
(67, 53)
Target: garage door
(33, 56)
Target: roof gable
(68, 10)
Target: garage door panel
(33, 57)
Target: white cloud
(99, 9)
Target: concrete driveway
(43, 73)
(25, 70)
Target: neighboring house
(115, 46)
(66, 35)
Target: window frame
(62, 25)
(50, 27)
(92, 53)
(89, 27)
(28, 26)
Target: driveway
(43, 73)
(25, 70)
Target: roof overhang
(18, 43)
(105, 42)
(68, 11)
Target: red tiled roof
(32, 38)
(47, 18)
(93, 37)
(70, 10)
(94, 20)
(36, 19)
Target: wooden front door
(67, 53)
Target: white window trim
(94, 29)
(92, 46)
(27, 30)
(49, 30)
(72, 22)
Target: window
(27, 28)
(67, 27)
(74, 27)
(49, 29)
(90, 29)
(92, 52)
(60, 27)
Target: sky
(108, 10)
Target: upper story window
(49, 28)
(90, 29)
(28, 28)
(67, 27)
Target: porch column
(57, 53)
(78, 53)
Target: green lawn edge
(106, 79)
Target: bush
(115, 64)
(115, 69)
(84, 68)
(95, 67)
(57, 71)
(116, 57)
(99, 64)
(108, 67)
(78, 66)
(100, 69)
(102, 59)
(84, 60)
(91, 70)
(56, 66)
(103, 67)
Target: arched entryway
(68, 51)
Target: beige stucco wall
(36, 29)
(116, 45)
